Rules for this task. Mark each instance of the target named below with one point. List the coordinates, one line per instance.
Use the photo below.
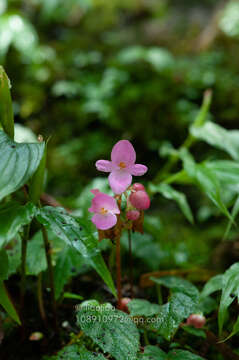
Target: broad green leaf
(13, 217)
(227, 171)
(172, 314)
(3, 265)
(178, 354)
(17, 164)
(37, 181)
(230, 287)
(138, 307)
(112, 330)
(214, 284)
(153, 353)
(6, 111)
(7, 304)
(178, 285)
(78, 235)
(170, 193)
(217, 136)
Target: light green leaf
(77, 234)
(6, 111)
(217, 136)
(7, 304)
(172, 314)
(37, 181)
(227, 171)
(214, 284)
(170, 193)
(112, 330)
(138, 307)
(18, 163)
(13, 217)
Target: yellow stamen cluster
(122, 165)
(103, 211)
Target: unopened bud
(123, 304)
(138, 186)
(196, 320)
(140, 200)
(133, 214)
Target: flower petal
(119, 181)
(103, 165)
(123, 152)
(105, 201)
(138, 170)
(104, 222)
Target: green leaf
(112, 330)
(153, 353)
(230, 286)
(214, 284)
(6, 111)
(227, 171)
(3, 265)
(178, 285)
(178, 354)
(217, 136)
(172, 314)
(7, 304)
(18, 163)
(235, 211)
(37, 181)
(138, 307)
(170, 193)
(78, 235)
(13, 217)
(193, 331)
(68, 295)
(205, 178)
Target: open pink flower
(122, 166)
(105, 209)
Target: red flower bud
(140, 200)
(196, 320)
(123, 304)
(138, 186)
(133, 214)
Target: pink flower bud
(138, 186)
(123, 304)
(196, 320)
(133, 214)
(140, 200)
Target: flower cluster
(121, 168)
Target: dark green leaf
(3, 265)
(18, 163)
(138, 307)
(6, 111)
(7, 304)
(153, 353)
(37, 181)
(78, 235)
(112, 330)
(182, 355)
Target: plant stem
(40, 299)
(146, 339)
(131, 265)
(118, 270)
(51, 276)
(25, 238)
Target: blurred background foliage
(87, 73)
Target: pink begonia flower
(122, 166)
(105, 209)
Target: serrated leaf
(112, 330)
(138, 307)
(214, 284)
(75, 352)
(6, 111)
(13, 217)
(17, 164)
(170, 193)
(78, 235)
(172, 314)
(217, 136)
(7, 304)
